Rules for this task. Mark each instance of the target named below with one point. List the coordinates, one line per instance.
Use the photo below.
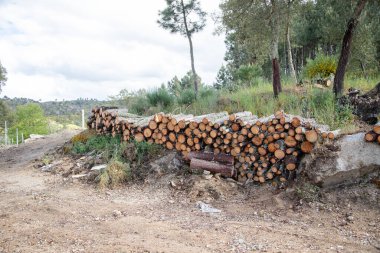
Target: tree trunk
(276, 77)
(346, 46)
(193, 66)
(290, 57)
(188, 34)
(274, 49)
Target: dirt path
(41, 212)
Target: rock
(47, 168)
(207, 177)
(92, 176)
(173, 184)
(33, 137)
(205, 208)
(350, 159)
(99, 167)
(169, 163)
(117, 213)
(79, 176)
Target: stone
(99, 167)
(345, 162)
(78, 176)
(167, 163)
(117, 213)
(207, 177)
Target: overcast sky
(66, 49)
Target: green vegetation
(30, 119)
(145, 150)
(308, 192)
(321, 66)
(185, 18)
(115, 174)
(160, 97)
(125, 160)
(293, 31)
(110, 147)
(306, 101)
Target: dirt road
(41, 212)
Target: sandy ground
(42, 212)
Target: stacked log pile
(373, 135)
(237, 145)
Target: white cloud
(68, 49)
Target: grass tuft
(114, 175)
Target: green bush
(320, 67)
(110, 147)
(145, 150)
(160, 96)
(186, 97)
(247, 74)
(30, 119)
(138, 105)
(114, 175)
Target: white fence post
(82, 119)
(5, 134)
(17, 137)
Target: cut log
(215, 167)
(139, 137)
(290, 141)
(208, 156)
(311, 136)
(147, 132)
(306, 147)
(290, 162)
(279, 154)
(371, 136)
(376, 129)
(296, 122)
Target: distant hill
(62, 108)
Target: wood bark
(188, 34)
(259, 149)
(288, 44)
(274, 24)
(215, 167)
(346, 47)
(209, 156)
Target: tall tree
(346, 46)
(3, 76)
(30, 119)
(275, 30)
(256, 25)
(293, 74)
(185, 18)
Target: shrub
(160, 96)
(223, 78)
(108, 145)
(145, 150)
(138, 105)
(206, 91)
(114, 175)
(247, 74)
(30, 119)
(82, 136)
(186, 97)
(320, 67)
